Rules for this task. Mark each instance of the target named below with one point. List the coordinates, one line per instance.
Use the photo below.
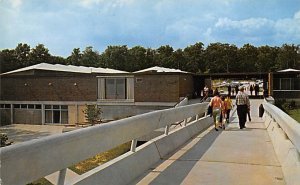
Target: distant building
(285, 84)
(57, 94)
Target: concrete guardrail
(25, 162)
(284, 132)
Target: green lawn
(99, 159)
(41, 181)
(295, 113)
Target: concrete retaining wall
(131, 165)
(287, 153)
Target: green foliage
(101, 158)
(92, 114)
(41, 181)
(215, 58)
(3, 139)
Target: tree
(194, 58)
(179, 60)
(247, 56)
(287, 57)
(214, 58)
(39, 54)
(21, 53)
(90, 57)
(116, 57)
(75, 57)
(8, 61)
(136, 59)
(163, 56)
(92, 114)
(266, 58)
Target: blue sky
(62, 25)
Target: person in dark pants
(251, 89)
(256, 89)
(229, 90)
(243, 104)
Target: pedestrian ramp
(232, 156)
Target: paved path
(230, 157)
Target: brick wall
(186, 85)
(156, 88)
(30, 88)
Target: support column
(61, 177)
(43, 114)
(11, 114)
(133, 145)
(76, 114)
(270, 84)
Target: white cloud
(246, 25)
(297, 15)
(110, 3)
(16, 3)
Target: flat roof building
(57, 94)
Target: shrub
(4, 139)
(92, 114)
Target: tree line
(215, 58)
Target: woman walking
(228, 103)
(216, 104)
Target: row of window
(34, 106)
(286, 84)
(53, 113)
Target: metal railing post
(167, 129)
(61, 177)
(184, 122)
(133, 145)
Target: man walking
(243, 104)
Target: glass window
(285, 84)
(30, 106)
(23, 106)
(64, 107)
(110, 88)
(56, 114)
(64, 117)
(115, 88)
(17, 106)
(38, 106)
(1, 106)
(48, 116)
(7, 106)
(276, 83)
(297, 83)
(120, 89)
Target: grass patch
(41, 181)
(99, 159)
(295, 113)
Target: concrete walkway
(230, 157)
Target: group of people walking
(221, 106)
(255, 88)
(220, 109)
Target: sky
(62, 25)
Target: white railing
(25, 162)
(290, 126)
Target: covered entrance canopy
(200, 80)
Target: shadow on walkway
(180, 166)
